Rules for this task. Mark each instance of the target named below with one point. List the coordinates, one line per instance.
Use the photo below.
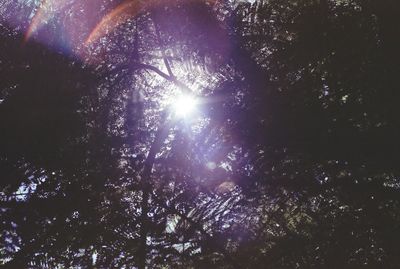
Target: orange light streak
(126, 10)
(114, 18)
(46, 11)
(36, 21)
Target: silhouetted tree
(289, 161)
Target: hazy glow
(184, 106)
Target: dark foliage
(290, 161)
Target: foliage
(290, 160)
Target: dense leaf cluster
(290, 161)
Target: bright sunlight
(184, 106)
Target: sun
(184, 105)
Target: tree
(289, 160)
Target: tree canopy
(199, 134)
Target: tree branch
(165, 76)
(156, 27)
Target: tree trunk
(147, 187)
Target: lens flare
(114, 18)
(45, 12)
(129, 9)
(78, 26)
(37, 20)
